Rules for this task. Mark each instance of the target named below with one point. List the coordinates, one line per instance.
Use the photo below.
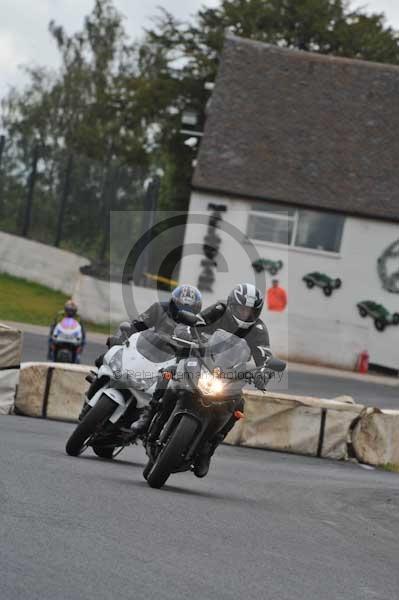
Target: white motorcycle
(124, 384)
(66, 340)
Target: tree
(85, 108)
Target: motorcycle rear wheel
(171, 455)
(94, 419)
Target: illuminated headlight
(210, 385)
(115, 363)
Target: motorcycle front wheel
(64, 356)
(173, 452)
(101, 452)
(92, 423)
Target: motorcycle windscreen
(154, 348)
(227, 350)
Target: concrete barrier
(10, 358)
(302, 425)
(375, 437)
(51, 390)
(297, 424)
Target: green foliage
(27, 302)
(391, 467)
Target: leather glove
(261, 379)
(114, 340)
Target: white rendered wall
(315, 328)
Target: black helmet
(70, 308)
(245, 303)
(185, 297)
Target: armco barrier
(10, 358)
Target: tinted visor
(187, 307)
(248, 314)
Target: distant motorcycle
(66, 341)
(199, 401)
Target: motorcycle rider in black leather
(239, 315)
(163, 316)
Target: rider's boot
(140, 426)
(203, 460)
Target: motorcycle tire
(147, 469)
(94, 419)
(64, 356)
(101, 452)
(170, 456)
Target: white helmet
(245, 303)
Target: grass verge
(390, 467)
(28, 302)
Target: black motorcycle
(200, 399)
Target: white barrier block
(281, 424)
(51, 390)
(296, 424)
(8, 385)
(10, 347)
(66, 392)
(375, 437)
(31, 389)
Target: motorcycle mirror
(187, 318)
(275, 364)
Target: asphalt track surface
(373, 394)
(262, 525)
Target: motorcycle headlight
(210, 385)
(115, 363)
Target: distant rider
(70, 310)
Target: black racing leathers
(257, 337)
(158, 315)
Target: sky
(24, 37)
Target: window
(296, 227)
(321, 231)
(271, 228)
